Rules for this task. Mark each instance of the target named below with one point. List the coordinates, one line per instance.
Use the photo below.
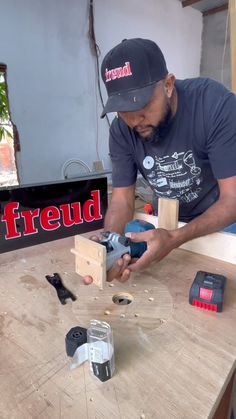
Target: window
(8, 136)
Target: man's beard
(161, 130)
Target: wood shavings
(107, 312)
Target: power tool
(207, 291)
(118, 245)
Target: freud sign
(37, 214)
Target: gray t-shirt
(199, 148)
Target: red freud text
(51, 218)
(119, 72)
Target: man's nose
(134, 120)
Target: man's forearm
(217, 217)
(118, 214)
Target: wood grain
(90, 259)
(172, 360)
(168, 213)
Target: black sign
(36, 214)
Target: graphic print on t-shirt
(175, 176)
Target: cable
(95, 51)
(96, 110)
(67, 163)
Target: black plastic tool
(62, 292)
(76, 337)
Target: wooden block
(90, 260)
(168, 213)
(221, 246)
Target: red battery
(207, 291)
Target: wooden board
(172, 360)
(90, 259)
(168, 213)
(221, 246)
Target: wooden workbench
(172, 360)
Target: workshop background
(49, 59)
(52, 73)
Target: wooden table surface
(172, 360)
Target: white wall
(215, 61)
(51, 72)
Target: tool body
(118, 245)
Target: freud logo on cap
(118, 72)
(139, 58)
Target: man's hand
(160, 242)
(118, 271)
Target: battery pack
(207, 291)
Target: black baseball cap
(130, 71)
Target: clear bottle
(101, 349)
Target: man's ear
(169, 84)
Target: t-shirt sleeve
(124, 169)
(221, 141)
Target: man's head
(139, 87)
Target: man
(180, 135)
